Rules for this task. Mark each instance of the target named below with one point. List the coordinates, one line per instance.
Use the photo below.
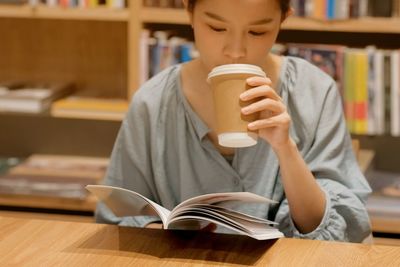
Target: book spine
(361, 92)
(387, 91)
(349, 90)
(379, 92)
(395, 93)
(330, 9)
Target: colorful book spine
(361, 93)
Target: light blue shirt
(162, 151)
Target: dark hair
(285, 5)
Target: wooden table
(25, 242)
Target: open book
(199, 211)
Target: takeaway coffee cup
(227, 83)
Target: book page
(232, 213)
(252, 229)
(225, 197)
(124, 202)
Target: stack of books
(27, 98)
(53, 176)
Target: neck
(272, 68)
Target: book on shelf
(385, 198)
(328, 58)
(32, 98)
(368, 81)
(395, 93)
(193, 213)
(345, 9)
(8, 162)
(91, 108)
(164, 50)
(17, 2)
(163, 3)
(53, 175)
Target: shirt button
(236, 182)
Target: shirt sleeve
(332, 161)
(130, 163)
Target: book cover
(197, 211)
(329, 58)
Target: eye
(216, 29)
(257, 33)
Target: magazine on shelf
(198, 211)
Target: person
(167, 146)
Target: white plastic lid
(236, 69)
(237, 139)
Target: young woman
(167, 146)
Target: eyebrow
(257, 22)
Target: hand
(211, 227)
(154, 225)
(274, 121)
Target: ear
(289, 13)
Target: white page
(124, 202)
(234, 213)
(241, 224)
(270, 233)
(224, 197)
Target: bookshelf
(98, 49)
(112, 41)
(367, 25)
(44, 12)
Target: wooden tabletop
(25, 242)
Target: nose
(235, 47)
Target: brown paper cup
(227, 83)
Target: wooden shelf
(15, 11)
(164, 15)
(44, 12)
(46, 216)
(100, 117)
(362, 25)
(88, 204)
(367, 25)
(385, 224)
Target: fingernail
(244, 96)
(251, 125)
(250, 80)
(245, 110)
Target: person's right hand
(211, 227)
(155, 225)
